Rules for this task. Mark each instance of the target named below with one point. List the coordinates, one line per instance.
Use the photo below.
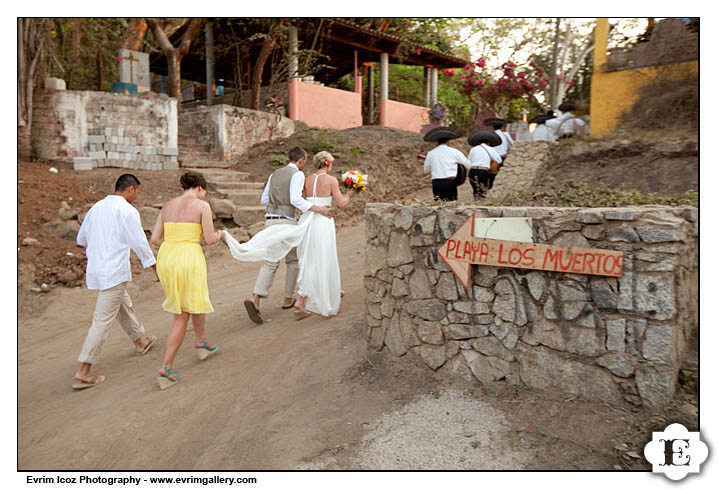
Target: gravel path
(449, 430)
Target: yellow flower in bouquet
(353, 179)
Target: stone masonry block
(171, 166)
(95, 139)
(93, 147)
(97, 155)
(120, 132)
(82, 163)
(169, 151)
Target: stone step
(202, 163)
(248, 215)
(242, 197)
(219, 176)
(241, 185)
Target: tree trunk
(267, 47)
(100, 71)
(174, 55)
(30, 49)
(554, 68)
(138, 29)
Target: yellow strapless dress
(182, 270)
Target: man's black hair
(296, 154)
(441, 141)
(497, 126)
(125, 181)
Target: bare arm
(158, 231)
(210, 236)
(341, 199)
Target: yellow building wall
(615, 92)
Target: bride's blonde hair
(322, 159)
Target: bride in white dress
(319, 282)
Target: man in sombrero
(506, 140)
(568, 124)
(442, 163)
(542, 132)
(483, 156)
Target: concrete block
(171, 165)
(113, 147)
(93, 147)
(82, 163)
(97, 155)
(169, 151)
(121, 148)
(96, 139)
(120, 132)
(154, 166)
(108, 134)
(106, 146)
(133, 141)
(127, 157)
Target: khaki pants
(265, 278)
(111, 303)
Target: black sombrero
(540, 119)
(488, 137)
(550, 114)
(440, 133)
(494, 121)
(566, 107)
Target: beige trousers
(265, 278)
(111, 303)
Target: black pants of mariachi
(479, 178)
(444, 189)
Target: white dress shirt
(296, 184)
(569, 124)
(110, 229)
(481, 155)
(543, 133)
(442, 160)
(506, 142)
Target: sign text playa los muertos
(464, 249)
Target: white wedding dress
(315, 238)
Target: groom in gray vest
(283, 197)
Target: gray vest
(279, 198)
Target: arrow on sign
(460, 267)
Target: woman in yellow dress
(182, 269)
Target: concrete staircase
(236, 187)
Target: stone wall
(64, 120)
(610, 339)
(228, 132)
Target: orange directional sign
(463, 249)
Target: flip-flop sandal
(165, 381)
(203, 351)
(147, 348)
(81, 385)
(253, 312)
(294, 302)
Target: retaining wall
(64, 120)
(228, 132)
(401, 115)
(324, 107)
(616, 340)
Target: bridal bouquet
(355, 180)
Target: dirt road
(272, 395)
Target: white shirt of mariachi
(295, 192)
(110, 229)
(481, 155)
(543, 133)
(568, 124)
(506, 142)
(442, 160)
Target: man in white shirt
(110, 229)
(568, 124)
(480, 157)
(506, 140)
(542, 132)
(283, 197)
(442, 162)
